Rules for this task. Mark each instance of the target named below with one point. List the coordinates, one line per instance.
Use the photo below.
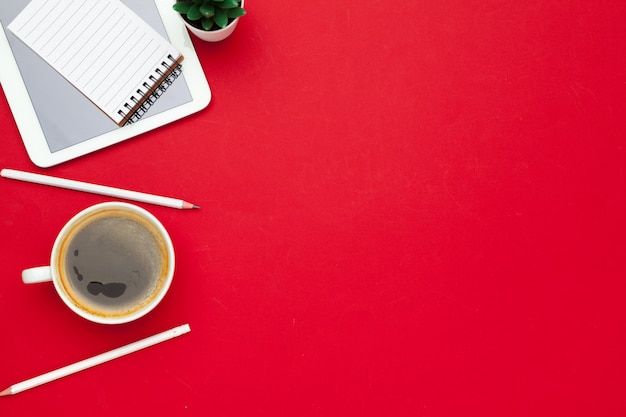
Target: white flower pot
(213, 35)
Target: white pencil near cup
(95, 360)
(96, 189)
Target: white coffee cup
(111, 263)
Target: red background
(411, 208)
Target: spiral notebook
(104, 49)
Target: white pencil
(96, 360)
(96, 189)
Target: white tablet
(57, 123)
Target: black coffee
(114, 263)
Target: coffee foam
(80, 300)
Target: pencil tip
(189, 206)
(6, 392)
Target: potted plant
(210, 20)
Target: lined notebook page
(102, 47)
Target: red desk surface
(414, 209)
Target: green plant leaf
(207, 23)
(182, 6)
(207, 9)
(220, 18)
(229, 4)
(235, 13)
(194, 13)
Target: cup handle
(37, 274)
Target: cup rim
(71, 303)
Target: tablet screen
(66, 116)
